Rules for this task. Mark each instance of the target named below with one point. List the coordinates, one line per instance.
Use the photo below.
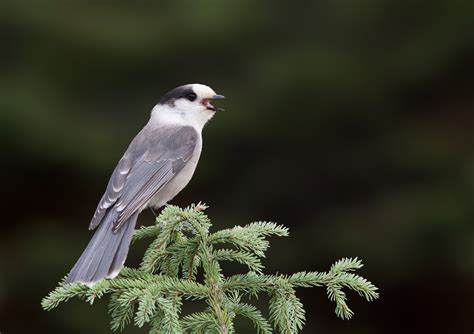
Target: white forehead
(203, 91)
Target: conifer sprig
(183, 246)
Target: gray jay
(157, 165)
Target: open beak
(215, 97)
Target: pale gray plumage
(158, 163)
(152, 159)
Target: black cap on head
(176, 93)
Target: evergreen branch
(162, 283)
(346, 264)
(120, 313)
(267, 228)
(97, 291)
(146, 307)
(336, 294)
(251, 312)
(198, 322)
(168, 273)
(305, 279)
(242, 257)
(147, 232)
(286, 311)
(251, 283)
(63, 293)
(156, 322)
(250, 237)
(359, 284)
(156, 250)
(178, 255)
(171, 308)
(191, 264)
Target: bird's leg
(154, 213)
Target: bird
(158, 164)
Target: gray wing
(153, 158)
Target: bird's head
(188, 104)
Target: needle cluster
(183, 262)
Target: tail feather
(105, 254)
(122, 251)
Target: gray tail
(106, 252)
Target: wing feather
(113, 191)
(153, 158)
(149, 189)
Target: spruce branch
(182, 246)
(251, 312)
(243, 257)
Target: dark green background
(351, 122)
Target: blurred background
(351, 122)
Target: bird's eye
(191, 96)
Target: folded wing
(153, 158)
